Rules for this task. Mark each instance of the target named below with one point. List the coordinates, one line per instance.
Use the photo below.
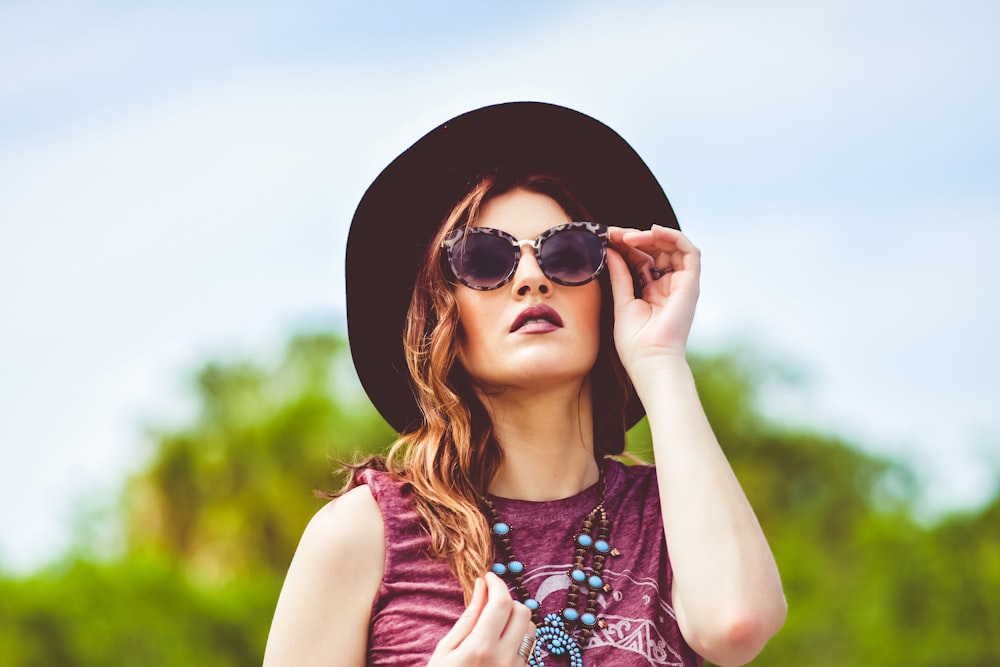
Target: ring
(527, 646)
(656, 273)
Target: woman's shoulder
(345, 536)
(634, 485)
(331, 583)
(631, 474)
(353, 519)
(390, 493)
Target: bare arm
(323, 612)
(726, 590)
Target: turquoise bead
(588, 619)
(602, 546)
(578, 576)
(501, 528)
(570, 614)
(499, 569)
(595, 581)
(515, 566)
(531, 603)
(584, 540)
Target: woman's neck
(547, 441)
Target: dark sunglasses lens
(572, 256)
(482, 260)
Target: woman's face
(503, 344)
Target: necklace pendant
(554, 638)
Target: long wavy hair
(450, 459)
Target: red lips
(540, 316)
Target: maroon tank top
(419, 600)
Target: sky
(177, 180)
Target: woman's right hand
(489, 632)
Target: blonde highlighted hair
(451, 457)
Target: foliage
(138, 611)
(230, 494)
(212, 522)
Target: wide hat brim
(405, 206)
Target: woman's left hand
(667, 266)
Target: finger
(500, 627)
(672, 250)
(646, 253)
(668, 239)
(616, 234)
(463, 626)
(691, 255)
(676, 235)
(519, 627)
(633, 255)
(496, 612)
(654, 240)
(622, 287)
(686, 257)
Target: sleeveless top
(419, 600)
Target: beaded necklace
(563, 633)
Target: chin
(543, 376)
(538, 367)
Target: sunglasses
(484, 258)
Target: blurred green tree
(230, 494)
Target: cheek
(587, 317)
(593, 311)
(469, 314)
(595, 319)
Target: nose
(529, 277)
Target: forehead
(522, 214)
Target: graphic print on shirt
(634, 611)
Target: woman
(518, 293)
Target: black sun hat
(406, 205)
